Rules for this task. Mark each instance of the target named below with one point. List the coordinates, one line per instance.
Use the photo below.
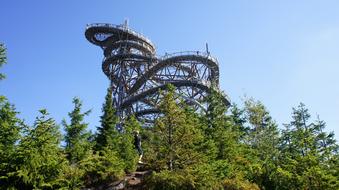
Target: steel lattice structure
(137, 74)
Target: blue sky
(279, 52)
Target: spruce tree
(175, 136)
(307, 154)
(326, 143)
(239, 119)
(39, 158)
(10, 128)
(221, 127)
(263, 139)
(231, 162)
(127, 151)
(216, 110)
(77, 136)
(107, 132)
(263, 131)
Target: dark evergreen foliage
(237, 148)
(10, 128)
(39, 159)
(77, 136)
(107, 131)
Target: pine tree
(102, 167)
(77, 136)
(221, 127)
(175, 136)
(39, 157)
(10, 128)
(232, 162)
(177, 148)
(107, 132)
(263, 139)
(326, 143)
(127, 151)
(263, 130)
(239, 119)
(307, 154)
(216, 110)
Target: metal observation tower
(137, 74)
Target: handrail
(129, 45)
(147, 46)
(148, 57)
(183, 53)
(121, 27)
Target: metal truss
(138, 75)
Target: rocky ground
(132, 181)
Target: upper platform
(106, 35)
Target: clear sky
(279, 52)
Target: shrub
(239, 184)
(102, 167)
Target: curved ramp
(137, 75)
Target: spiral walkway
(137, 74)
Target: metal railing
(184, 53)
(133, 43)
(121, 27)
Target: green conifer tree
(326, 143)
(77, 136)
(221, 127)
(10, 128)
(231, 162)
(39, 158)
(127, 151)
(175, 136)
(239, 119)
(107, 132)
(263, 139)
(307, 154)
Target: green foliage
(107, 131)
(263, 139)
(307, 154)
(76, 138)
(93, 171)
(126, 148)
(216, 110)
(199, 177)
(39, 159)
(239, 120)
(10, 127)
(73, 177)
(109, 137)
(221, 128)
(175, 136)
(102, 167)
(239, 184)
(239, 150)
(3, 58)
(170, 180)
(204, 177)
(226, 131)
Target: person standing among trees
(137, 144)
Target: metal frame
(137, 75)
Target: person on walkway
(137, 144)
